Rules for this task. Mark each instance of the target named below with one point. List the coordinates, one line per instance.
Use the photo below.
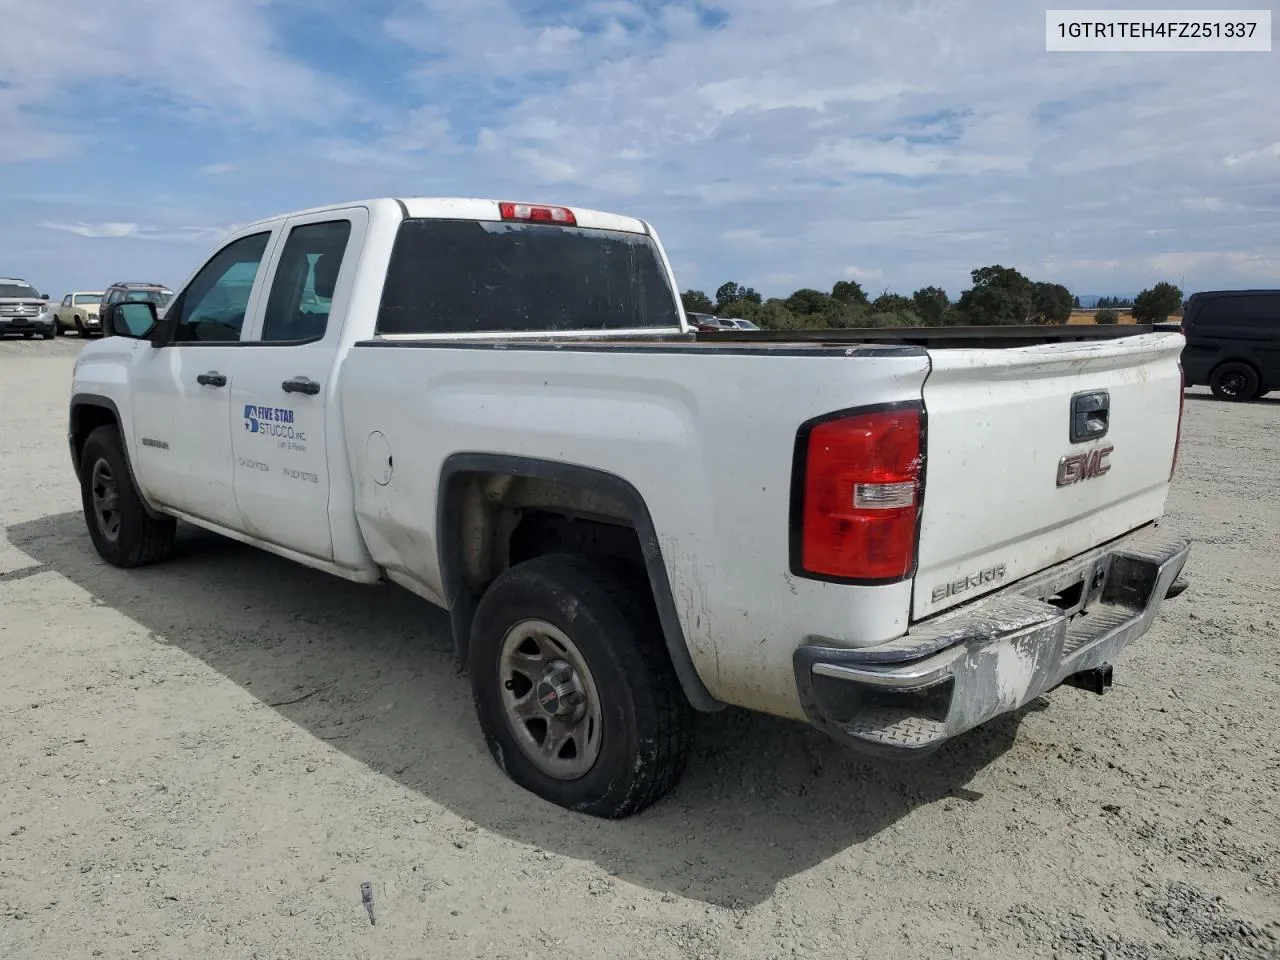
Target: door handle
(211, 379)
(301, 385)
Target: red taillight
(537, 213)
(1182, 400)
(859, 496)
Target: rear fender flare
(462, 602)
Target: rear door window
(302, 291)
(1262, 310)
(467, 276)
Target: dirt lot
(207, 758)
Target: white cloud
(863, 274)
(1233, 264)
(759, 92)
(898, 157)
(545, 166)
(217, 57)
(747, 237)
(1270, 152)
(95, 229)
(116, 230)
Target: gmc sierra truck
(892, 535)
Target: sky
(775, 143)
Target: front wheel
(124, 533)
(1235, 381)
(50, 334)
(573, 687)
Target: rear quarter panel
(706, 435)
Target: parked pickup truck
(500, 407)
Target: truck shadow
(370, 671)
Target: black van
(1233, 342)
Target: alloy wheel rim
(106, 499)
(1233, 384)
(550, 699)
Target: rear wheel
(1235, 381)
(573, 686)
(124, 533)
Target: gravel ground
(208, 758)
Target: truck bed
(877, 339)
(941, 337)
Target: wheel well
(85, 418)
(505, 519)
(491, 519)
(1228, 361)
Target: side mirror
(134, 319)
(44, 296)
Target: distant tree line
(999, 295)
(1113, 303)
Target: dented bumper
(990, 657)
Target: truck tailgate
(1008, 491)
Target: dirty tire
(49, 335)
(1235, 381)
(607, 610)
(141, 538)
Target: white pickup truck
(893, 535)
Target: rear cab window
(479, 277)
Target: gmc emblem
(1075, 467)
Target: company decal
(254, 465)
(275, 424)
(300, 475)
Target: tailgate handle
(1090, 416)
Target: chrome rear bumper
(961, 668)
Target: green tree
(1000, 295)
(1052, 303)
(772, 315)
(1155, 304)
(1075, 303)
(1107, 316)
(730, 294)
(892, 318)
(807, 302)
(727, 293)
(892, 303)
(932, 305)
(695, 301)
(849, 292)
